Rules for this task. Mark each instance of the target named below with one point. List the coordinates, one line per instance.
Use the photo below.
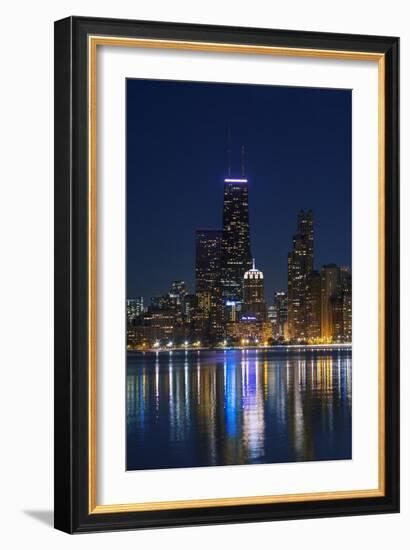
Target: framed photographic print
(226, 276)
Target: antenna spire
(253, 263)
(243, 160)
(229, 151)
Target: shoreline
(279, 347)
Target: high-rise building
(313, 307)
(236, 243)
(135, 308)
(336, 307)
(300, 265)
(346, 289)
(176, 299)
(347, 316)
(208, 279)
(330, 292)
(254, 305)
(251, 326)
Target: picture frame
(77, 40)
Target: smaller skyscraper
(279, 314)
(251, 327)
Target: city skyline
(161, 231)
(239, 284)
(229, 307)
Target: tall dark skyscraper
(300, 265)
(236, 256)
(208, 278)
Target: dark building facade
(313, 307)
(330, 297)
(208, 243)
(236, 243)
(346, 291)
(300, 265)
(279, 314)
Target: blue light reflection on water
(224, 407)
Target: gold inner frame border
(93, 43)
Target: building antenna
(243, 160)
(229, 151)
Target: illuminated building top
(253, 273)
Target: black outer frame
(71, 275)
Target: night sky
(298, 155)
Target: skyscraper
(330, 308)
(252, 326)
(208, 279)
(313, 307)
(254, 295)
(236, 245)
(300, 265)
(346, 288)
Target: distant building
(300, 265)
(160, 302)
(248, 331)
(178, 291)
(189, 306)
(278, 314)
(176, 299)
(159, 325)
(135, 308)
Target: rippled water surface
(210, 408)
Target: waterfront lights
(185, 343)
(156, 344)
(225, 342)
(169, 345)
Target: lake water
(216, 407)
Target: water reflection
(191, 408)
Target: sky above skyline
(298, 155)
